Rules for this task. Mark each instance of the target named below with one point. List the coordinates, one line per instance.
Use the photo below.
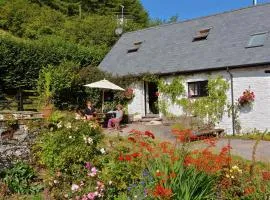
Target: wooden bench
(206, 133)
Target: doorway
(151, 96)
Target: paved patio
(240, 147)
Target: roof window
(201, 35)
(257, 40)
(135, 47)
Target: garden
(74, 159)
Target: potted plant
(247, 98)
(45, 92)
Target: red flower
(157, 94)
(266, 176)
(149, 134)
(247, 97)
(161, 191)
(132, 139)
(128, 157)
(184, 135)
(121, 157)
(135, 155)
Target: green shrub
(69, 146)
(19, 179)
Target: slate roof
(169, 48)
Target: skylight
(257, 40)
(135, 47)
(201, 35)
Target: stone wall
(14, 144)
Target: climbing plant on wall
(172, 90)
(209, 108)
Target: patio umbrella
(104, 84)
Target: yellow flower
(235, 167)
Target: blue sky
(188, 9)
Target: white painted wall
(137, 104)
(254, 78)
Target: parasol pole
(102, 106)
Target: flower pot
(47, 111)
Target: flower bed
(78, 162)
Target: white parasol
(104, 84)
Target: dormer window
(201, 35)
(135, 48)
(257, 40)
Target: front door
(151, 98)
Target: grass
(251, 136)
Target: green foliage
(19, 179)
(191, 184)
(67, 148)
(173, 90)
(55, 83)
(122, 174)
(212, 107)
(22, 59)
(50, 32)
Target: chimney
(254, 2)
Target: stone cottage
(233, 44)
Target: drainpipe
(232, 100)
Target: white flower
(68, 125)
(102, 151)
(90, 140)
(70, 137)
(74, 187)
(59, 125)
(232, 177)
(135, 197)
(55, 181)
(110, 182)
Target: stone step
(150, 119)
(151, 116)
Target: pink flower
(91, 195)
(74, 187)
(84, 197)
(88, 165)
(93, 172)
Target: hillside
(35, 33)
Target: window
(257, 40)
(201, 35)
(135, 48)
(197, 89)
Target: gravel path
(240, 147)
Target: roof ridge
(188, 20)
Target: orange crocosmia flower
(158, 174)
(161, 191)
(211, 142)
(266, 176)
(249, 190)
(172, 175)
(135, 155)
(128, 157)
(183, 135)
